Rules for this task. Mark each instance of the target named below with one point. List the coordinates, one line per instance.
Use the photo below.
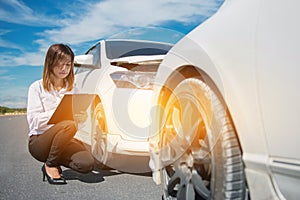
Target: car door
(278, 77)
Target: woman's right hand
(80, 117)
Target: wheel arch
(96, 101)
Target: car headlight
(134, 79)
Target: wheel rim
(190, 172)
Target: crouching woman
(55, 145)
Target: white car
(228, 92)
(120, 73)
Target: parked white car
(228, 123)
(121, 74)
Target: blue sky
(29, 27)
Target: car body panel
(281, 117)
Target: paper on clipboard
(71, 104)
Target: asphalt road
(21, 177)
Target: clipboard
(69, 105)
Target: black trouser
(57, 146)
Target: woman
(54, 145)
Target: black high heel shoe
(60, 171)
(55, 181)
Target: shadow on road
(96, 176)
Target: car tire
(200, 152)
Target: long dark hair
(56, 53)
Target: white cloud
(17, 99)
(13, 101)
(6, 43)
(108, 17)
(14, 11)
(8, 59)
(27, 58)
(6, 78)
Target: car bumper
(120, 145)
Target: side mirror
(84, 61)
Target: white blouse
(41, 105)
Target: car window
(119, 49)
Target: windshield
(141, 42)
(155, 34)
(118, 49)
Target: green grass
(6, 110)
